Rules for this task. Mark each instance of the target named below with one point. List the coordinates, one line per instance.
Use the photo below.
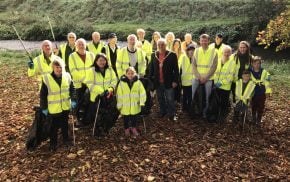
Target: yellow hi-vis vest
(238, 65)
(107, 48)
(58, 98)
(204, 60)
(264, 80)
(97, 84)
(92, 48)
(225, 74)
(78, 68)
(247, 93)
(147, 48)
(41, 67)
(219, 50)
(129, 101)
(186, 73)
(123, 62)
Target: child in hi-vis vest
(262, 90)
(131, 96)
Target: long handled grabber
(144, 124)
(73, 127)
(19, 38)
(95, 122)
(52, 31)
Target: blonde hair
(170, 34)
(140, 30)
(57, 61)
(131, 68)
(257, 59)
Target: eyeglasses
(71, 37)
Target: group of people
(80, 75)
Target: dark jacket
(44, 92)
(170, 69)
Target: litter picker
(52, 31)
(19, 38)
(95, 122)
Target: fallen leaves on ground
(184, 151)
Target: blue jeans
(166, 100)
(208, 88)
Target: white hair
(46, 41)
(95, 33)
(226, 47)
(73, 34)
(161, 40)
(132, 35)
(140, 30)
(81, 40)
(187, 35)
(58, 61)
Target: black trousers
(186, 98)
(224, 96)
(83, 104)
(130, 121)
(59, 121)
(233, 90)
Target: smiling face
(46, 47)
(81, 46)
(101, 62)
(161, 46)
(218, 40)
(57, 69)
(131, 41)
(96, 37)
(243, 48)
(71, 38)
(130, 74)
(204, 42)
(227, 52)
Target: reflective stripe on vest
(58, 97)
(247, 93)
(186, 75)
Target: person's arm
(175, 68)
(212, 68)
(43, 96)
(194, 66)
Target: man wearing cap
(219, 45)
(96, 45)
(203, 67)
(186, 77)
(67, 48)
(164, 75)
(131, 56)
(111, 50)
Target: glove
(73, 104)
(110, 94)
(105, 93)
(218, 85)
(45, 112)
(30, 64)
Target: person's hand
(73, 104)
(202, 80)
(218, 84)
(45, 112)
(30, 64)
(110, 94)
(174, 85)
(105, 93)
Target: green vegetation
(237, 19)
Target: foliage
(121, 16)
(277, 32)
